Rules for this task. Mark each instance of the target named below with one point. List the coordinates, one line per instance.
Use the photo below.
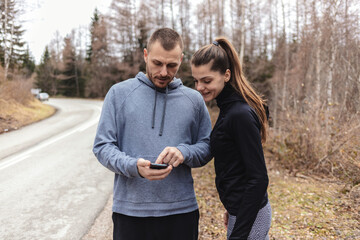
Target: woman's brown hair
(223, 56)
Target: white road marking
(14, 161)
(7, 162)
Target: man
(153, 118)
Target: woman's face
(209, 83)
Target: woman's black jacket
(241, 175)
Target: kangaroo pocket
(176, 187)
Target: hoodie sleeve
(106, 141)
(198, 154)
(244, 126)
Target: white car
(43, 96)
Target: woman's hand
(226, 219)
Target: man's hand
(171, 156)
(152, 174)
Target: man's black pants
(173, 227)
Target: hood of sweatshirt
(174, 84)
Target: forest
(303, 56)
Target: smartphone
(158, 166)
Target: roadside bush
(319, 144)
(16, 90)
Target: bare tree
(184, 18)
(11, 44)
(123, 26)
(286, 59)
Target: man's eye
(207, 81)
(195, 81)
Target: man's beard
(151, 77)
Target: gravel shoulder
(102, 227)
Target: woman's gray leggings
(261, 226)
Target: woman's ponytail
(242, 86)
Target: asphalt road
(51, 185)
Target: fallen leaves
(302, 208)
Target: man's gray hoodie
(139, 121)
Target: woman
(236, 140)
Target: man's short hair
(167, 37)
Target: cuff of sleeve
(185, 152)
(133, 169)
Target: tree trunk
(275, 117)
(286, 56)
(6, 48)
(271, 27)
(210, 14)
(162, 13)
(242, 41)
(172, 14)
(317, 69)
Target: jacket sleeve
(106, 141)
(198, 154)
(245, 129)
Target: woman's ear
(227, 75)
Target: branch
(339, 146)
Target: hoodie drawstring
(153, 118)
(164, 111)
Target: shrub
(319, 143)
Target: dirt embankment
(15, 115)
(19, 107)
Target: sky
(42, 18)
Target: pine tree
(28, 63)
(94, 23)
(71, 82)
(45, 78)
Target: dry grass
(19, 107)
(303, 208)
(14, 115)
(211, 226)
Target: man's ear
(145, 55)
(182, 56)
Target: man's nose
(163, 71)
